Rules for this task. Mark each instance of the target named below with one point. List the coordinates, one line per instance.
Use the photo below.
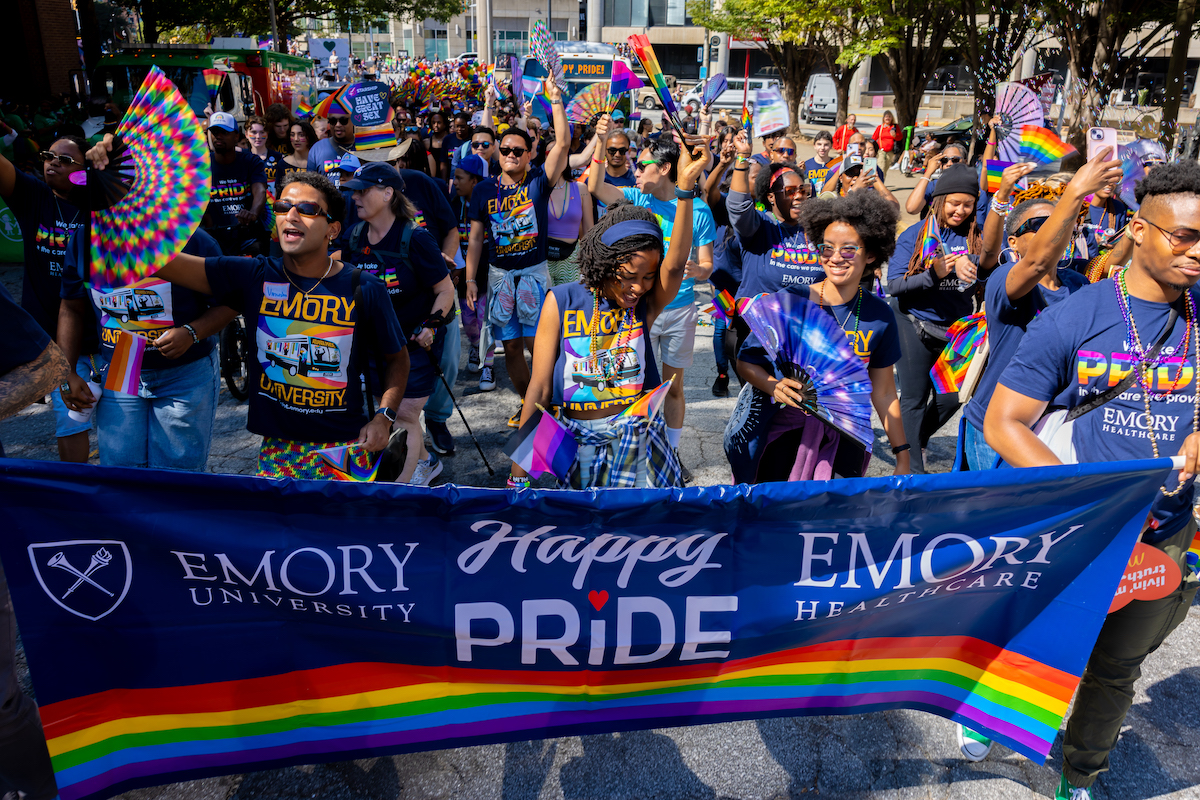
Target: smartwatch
(390, 413)
(687, 194)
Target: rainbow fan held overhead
(1041, 145)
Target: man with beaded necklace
(1074, 353)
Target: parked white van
(732, 96)
(820, 99)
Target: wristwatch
(390, 413)
(687, 194)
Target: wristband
(192, 331)
(1001, 208)
(597, 160)
(518, 483)
(685, 194)
(470, 281)
(902, 448)
(741, 159)
(741, 169)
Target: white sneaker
(487, 379)
(974, 746)
(426, 471)
(473, 359)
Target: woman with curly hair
(769, 438)
(591, 355)
(935, 292)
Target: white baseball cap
(224, 121)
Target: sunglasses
(339, 120)
(305, 209)
(1181, 239)
(616, 151)
(786, 151)
(66, 161)
(641, 165)
(1031, 225)
(480, 145)
(513, 151)
(951, 159)
(846, 251)
(793, 191)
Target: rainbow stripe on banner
(123, 735)
(125, 368)
(374, 138)
(1042, 145)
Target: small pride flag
(1041, 145)
(213, 78)
(650, 404)
(543, 445)
(724, 308)
(347, 464)
(995, 171)
(304, 109)
(125, 369)
(966, 336)
(747, 118)
(931, 240)
(623, 81)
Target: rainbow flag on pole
(542, 445)
(1041, 145)
(213, 78)
(931, 241)
(723, 308)
(125, 369)
(645, 54)
(995, 171)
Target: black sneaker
(721, 385)
(688, 477)
(440, 440)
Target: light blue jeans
(439, 405)
(978, 452)
(168, 424)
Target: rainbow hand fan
(590, 102)
(1041, 145)
(1017, 106)
(806, 343)
(163, 167)
(966, 337)
(541, 44)
(713, 88)
(213, 78)
(645, 54)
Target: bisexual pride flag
(543, 445)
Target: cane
(437, 368)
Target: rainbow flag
(333, 103)
(645, 54)
(213, 78)
(723, 308)
(995, 171)
(747, 118)
(125, 368)
(930, 241)
(966, 337)
(346, 463)
(304, 109)
(1041, 145)
(648, 405)
(376, 137)
(542, 445)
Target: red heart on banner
(598, 599)
(1150, 574)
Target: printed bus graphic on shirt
(621, 362)
(515, 229)
(304, 355)
(143, 308)
(132, 304)
(618, 362)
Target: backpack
(356, 241)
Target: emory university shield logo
(87, 577)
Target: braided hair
(598, 262)
(974, 236)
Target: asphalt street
(898, 755)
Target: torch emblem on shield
(87, 577)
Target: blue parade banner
(181, 625)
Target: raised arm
(993, 228)
(742, 215)
(556, 159)
(602, 190)
(691, 163)
(712, 186)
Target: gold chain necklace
(288, 275)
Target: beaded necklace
(609, 369)
(849, 313)
(1145, 368)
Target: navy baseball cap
(374, 174)
(474, 165)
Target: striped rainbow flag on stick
(995, 172)
(125, 369)
(723, 308)
(650, 404)
(347, 464)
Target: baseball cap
(374, 174)
(349, 162)
(474, 165)
(852, 163)
(616, 114)
(224, 121)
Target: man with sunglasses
(512, 209)
(239, 189)
(48, 218)
(784, 151)
(1082, 350)
(325, 156)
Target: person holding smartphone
(922, 194)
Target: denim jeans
(978, 452)
(439, 405)
(719, 346)
(167, 424)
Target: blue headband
(630, 227)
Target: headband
(630, 227)
(779, 173)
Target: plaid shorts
(282, 458)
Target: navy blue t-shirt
(433, 207)
(231, 187)
(324, 158)
(305, 386)
(24, 337)
(410, 288)
(1080, 348)
(942, 301)
(629, 179)
(1007, 321)
(1112, 216)
(149, 308)
(271, 165)
(774, 256)
(816, 173)
(46, 224)
(517, 218)
(875, 338)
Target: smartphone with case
(870, 166)
(853, 149)
(1100, 138)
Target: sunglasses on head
(339, 120)
(846, 251)
(49, 155)
(616, 151)
(513, 151)
(480, 145)
(305, 209)
(1031, 225)
(786, 151)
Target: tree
(993, 45)
(1105, 40)
(915, 34)
(1185, 19)
(843, 41)
(776, 24)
